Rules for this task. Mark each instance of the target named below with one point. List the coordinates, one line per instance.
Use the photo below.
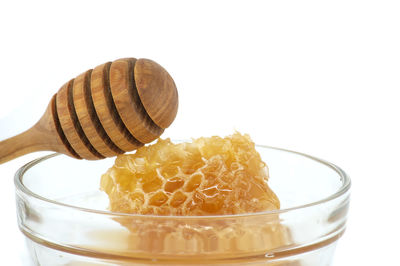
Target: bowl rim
(346, 184)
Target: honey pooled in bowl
(208, 176)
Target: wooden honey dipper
(111, 109)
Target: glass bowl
(65, 220)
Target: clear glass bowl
(65, 220)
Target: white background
(320, 77)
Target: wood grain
(114, 108)
(157, 92)
(70, 123)
(42, 136)
(107, 112)
(128, 104)
(88, 119)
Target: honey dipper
(111, 109)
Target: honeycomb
(208, 176)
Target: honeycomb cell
(152, 185)
(173, 184)
(169, 171)
(194, 182)
(158, 199)
(177, 199)
(137, 196)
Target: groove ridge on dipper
(101, 113)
